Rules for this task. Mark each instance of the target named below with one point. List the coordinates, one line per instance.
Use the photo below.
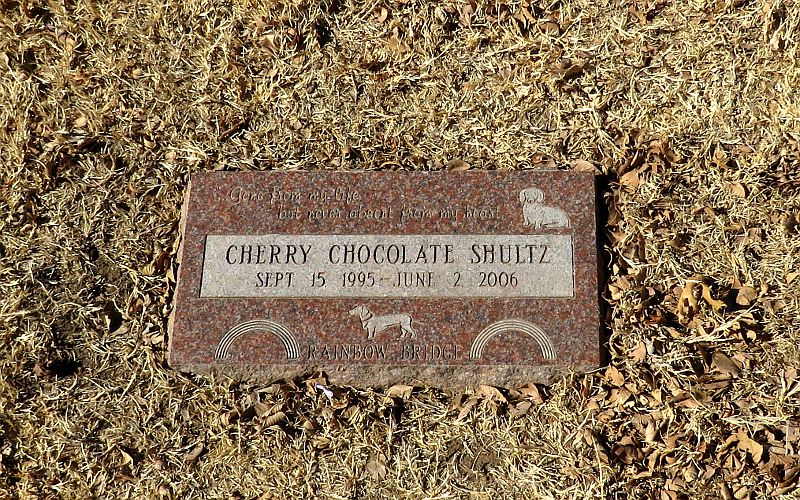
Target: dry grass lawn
(688, 112)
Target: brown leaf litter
(689, 117)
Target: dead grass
(689, 112)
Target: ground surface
(689, 114)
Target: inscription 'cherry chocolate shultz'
(377, 278)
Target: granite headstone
(376, 278)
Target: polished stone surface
(377, 278)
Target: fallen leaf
(630, 180)
(725, 364)
(490, 393)
(467, 407)
(41, 371)
(399, 391)
(467, 9)
(736, 188)
(268, 42)
(650, 432)
(457, 165)
(687, 303)
(790, 477)
(127, 459)
(521, 408)
(671, 442)
(584, 166)
(525, 14)
(570, 69)
(618, 396)
(532, 392)
(261, 408)
(310, 425)
(668, 495)
(550, 28)
(640, 352)
(195, 453)
(614, 376)
(376, 466)
(396, 44)
(754, 448)
(320, 442)
(627, 451)
(746, 295)
(275, 419)
(663, 147)
(741, 493)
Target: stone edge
(171, 362)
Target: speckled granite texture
(444, 342)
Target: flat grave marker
(377, 278)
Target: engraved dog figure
(540, 216)
(373, 324)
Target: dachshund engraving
(540, 216)
(374, 324)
